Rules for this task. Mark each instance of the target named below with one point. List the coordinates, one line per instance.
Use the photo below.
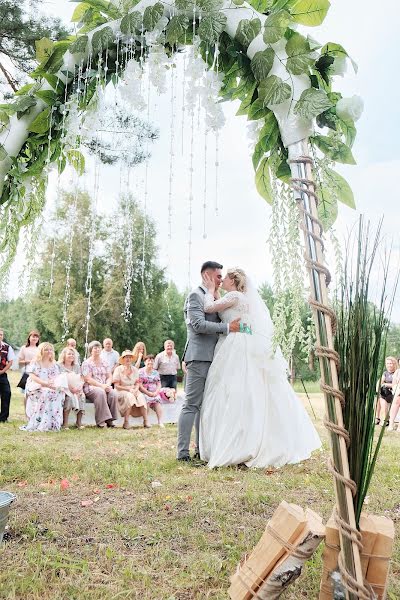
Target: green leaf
(55, 83)
(274, 91)
(257, 155)
(3, 153)
(336, 50)
(42, 122)
(327, 207)
(152, 15)
(79, 12)
(4, 117)
(47, 96)
(176, 28)
(283, 172)
(55, 60)
(334, 149)
(25, 89)
(348, 129)
(246, 103)
(306, 12)
(268, 136)
(77, 160)
(44, 48)
(298, 51)
(311, 103)
(103, 6)
(275, 26)
(340, 186)
(23, 104)
(132, 23)
(102, 39)
(263, 181)
(257, 110)
(247, 30)
(183, 4)
(323, 65)
(211, 27)
(262, 6)
(261, 63)
(79, 45)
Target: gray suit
(202, 336)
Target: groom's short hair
(210, 264)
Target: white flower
(130, 87)
(339, 66)
(350, 108)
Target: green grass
(178, 541)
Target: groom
(202, 336)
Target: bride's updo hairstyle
(238, 277)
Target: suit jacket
(202, 328)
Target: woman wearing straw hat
(126, 381)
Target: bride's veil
(262, 327)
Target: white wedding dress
(250, 413)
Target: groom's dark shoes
(184, 459)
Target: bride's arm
(213, 306)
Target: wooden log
(330, 559)
(368, 538)
(379, 561)
(288, 521)
(290, 566)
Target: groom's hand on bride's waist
(234, 326)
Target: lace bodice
(231, 306)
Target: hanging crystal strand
(67, 291)
(146, 190)
(277, 233)
(205, 186)
(216, 205)
(190, 198)
(129, 270)
(183, 99)
(53, 241)
(171, 152)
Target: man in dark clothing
(6, 360)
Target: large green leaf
(274, 91)
(257, 110)
(263, 181)
(211, 27)
(4, 119)
(103, 6)
(283, 172)
(79, 45)
(3, 153)
(77, 160)
(348, 129)
(246, 102)
(48, 96)
(275, 26)
(311, 103)
(176, 28)
(298, 51)
(102, 39)
(336, 50)
(55, 83)
(152, 15)
(42, 122)
(79, 12)
(257, 155)
(261, 63)
(131, 23)
(44, 48)
(306, 12)
(340, 187)
(262, 6)
(247, 30)
(327, 207)
(53, 63)
(334, 149)
(23, 104)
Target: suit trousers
(5, 396)
(190, 414)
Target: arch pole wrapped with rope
(350, 538)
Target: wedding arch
(252, 51)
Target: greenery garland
(244, 79)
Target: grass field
(151, 528)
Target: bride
(250, 413)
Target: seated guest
(126, 381)
(44, 400)
(150, 385)
(74, 397)
(71, 343)
(97, 387)
(139, 352)
(167, 365)
(109, 355)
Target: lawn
(151, 528)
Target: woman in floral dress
(44, 406)
(150, 385)
(126, 381)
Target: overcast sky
(238, 236)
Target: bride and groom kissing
(237, 392)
